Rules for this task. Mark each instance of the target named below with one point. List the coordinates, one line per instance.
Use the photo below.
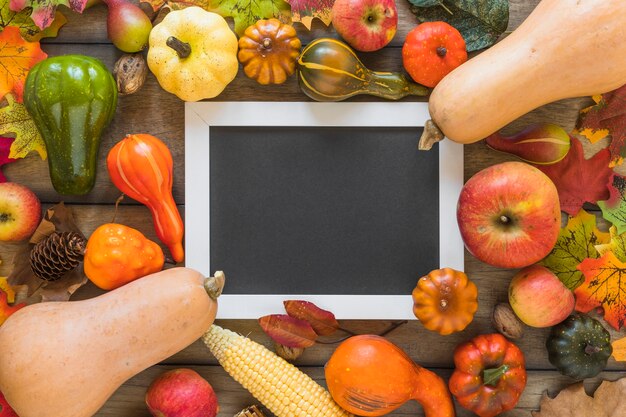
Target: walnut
(506, 322)
(130, 73)
(288, 353)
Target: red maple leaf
(606, 118)
(579, 180)
(604, 286)
(5, 149)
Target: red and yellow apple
(539, 298)
(181, 392)
(20, 212)
(509, 215)
(366, 25)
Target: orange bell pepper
(118, 254)
(141, 167)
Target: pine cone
(57, 255)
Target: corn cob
(278, 385)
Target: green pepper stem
(183, 49)
(492, 376)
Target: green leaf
(617, 245)
(481, 22)
(577, 241)
(14, 118)
(614, 209)
(23, 21)
(243, 12)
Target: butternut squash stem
(492, 376)
(183, 49)
(385, 332)
(215, 284)
(431, 135)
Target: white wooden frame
(199, 117)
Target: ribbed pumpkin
(268, 51)
(445, 301)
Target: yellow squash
(193, 54)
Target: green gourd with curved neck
(72, 99)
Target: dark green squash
(328, 70)
(579, 347)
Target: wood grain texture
(154, 111)
(128, 400)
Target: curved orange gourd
(368, 375)
(141, 167)
(445, 301)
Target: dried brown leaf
(58, 218)
(609, 400)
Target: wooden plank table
(154, 111)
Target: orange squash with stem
(367, 375)
(141, 166)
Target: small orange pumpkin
(268, 51)
(445, 301)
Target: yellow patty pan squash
(193, 53)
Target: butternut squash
(565, 48)
(67, 358)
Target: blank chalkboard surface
(304, 210)
(327, 202)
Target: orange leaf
(5, 309)
(605, 286)
(619, 349)
(4, 286)
(17, 57)
(288, 331)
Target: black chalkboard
(318, 210)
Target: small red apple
(181, 393)
(509, 215)
(5, 408)
(367, 25)
(20, 212)
(539, 298)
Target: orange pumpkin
(268, 51)
(369, 376)
(445, 301)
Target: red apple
(5, 408)
(181, 393)
(20, 212)
(509, 215)
(539, 298)
(367, 25)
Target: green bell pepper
(71, 98)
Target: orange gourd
(118, 254)
(268, 51)
(141, 167)
(367, 375)
(445, 301)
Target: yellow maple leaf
(14, 119)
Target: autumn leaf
(6, 288)
(481, 22)
(619, 349)
(17, 57)
(304, 11)
(605, 286)
(5, 309)
(28, 29)
(576, 242)
(617, 245)
(14, 118)
(579, 180)
(288, 331)
(614, 209)
(322, 321)
(606, 118)
(5, 149)
(44, 11)
(609, 400)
